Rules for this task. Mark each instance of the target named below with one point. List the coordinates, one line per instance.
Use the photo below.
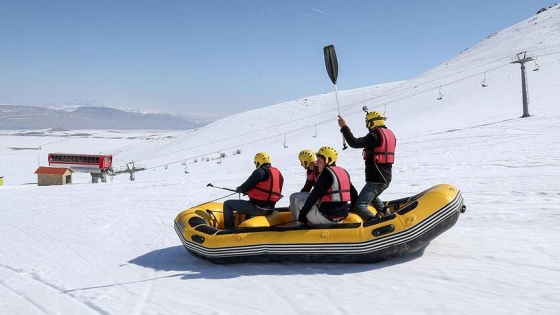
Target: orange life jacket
(385, 152)
(340, 189)
(269, 190)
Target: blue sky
(225, 57)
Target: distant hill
(16, 117)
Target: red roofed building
(47, 176)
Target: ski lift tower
(522, 58)
(130, 169)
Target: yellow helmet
(329, 153)
(375, 119)
(306, 157)
(261, 158)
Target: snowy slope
(411, 105)
(111, 248)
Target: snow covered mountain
(13, 117)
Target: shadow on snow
(176, 258)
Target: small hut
(47, 176)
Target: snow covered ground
(110, 248)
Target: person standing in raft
(379, 155)
(264, 188)
(307, 159)
(328, 201)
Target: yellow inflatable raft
(412, 224)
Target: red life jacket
(340, 189)
(385, 152)
(269, 190)
(312, 175)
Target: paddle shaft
(331, 63)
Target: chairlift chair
(536, 65)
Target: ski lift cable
(380, 96)
(298, 129)
(363, 101)
(348, 105)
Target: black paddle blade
(331, 62)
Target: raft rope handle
(284, 223)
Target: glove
(302, 217)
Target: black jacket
(309, 184)
(258, 175)
(375, 173)
(339, 208)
